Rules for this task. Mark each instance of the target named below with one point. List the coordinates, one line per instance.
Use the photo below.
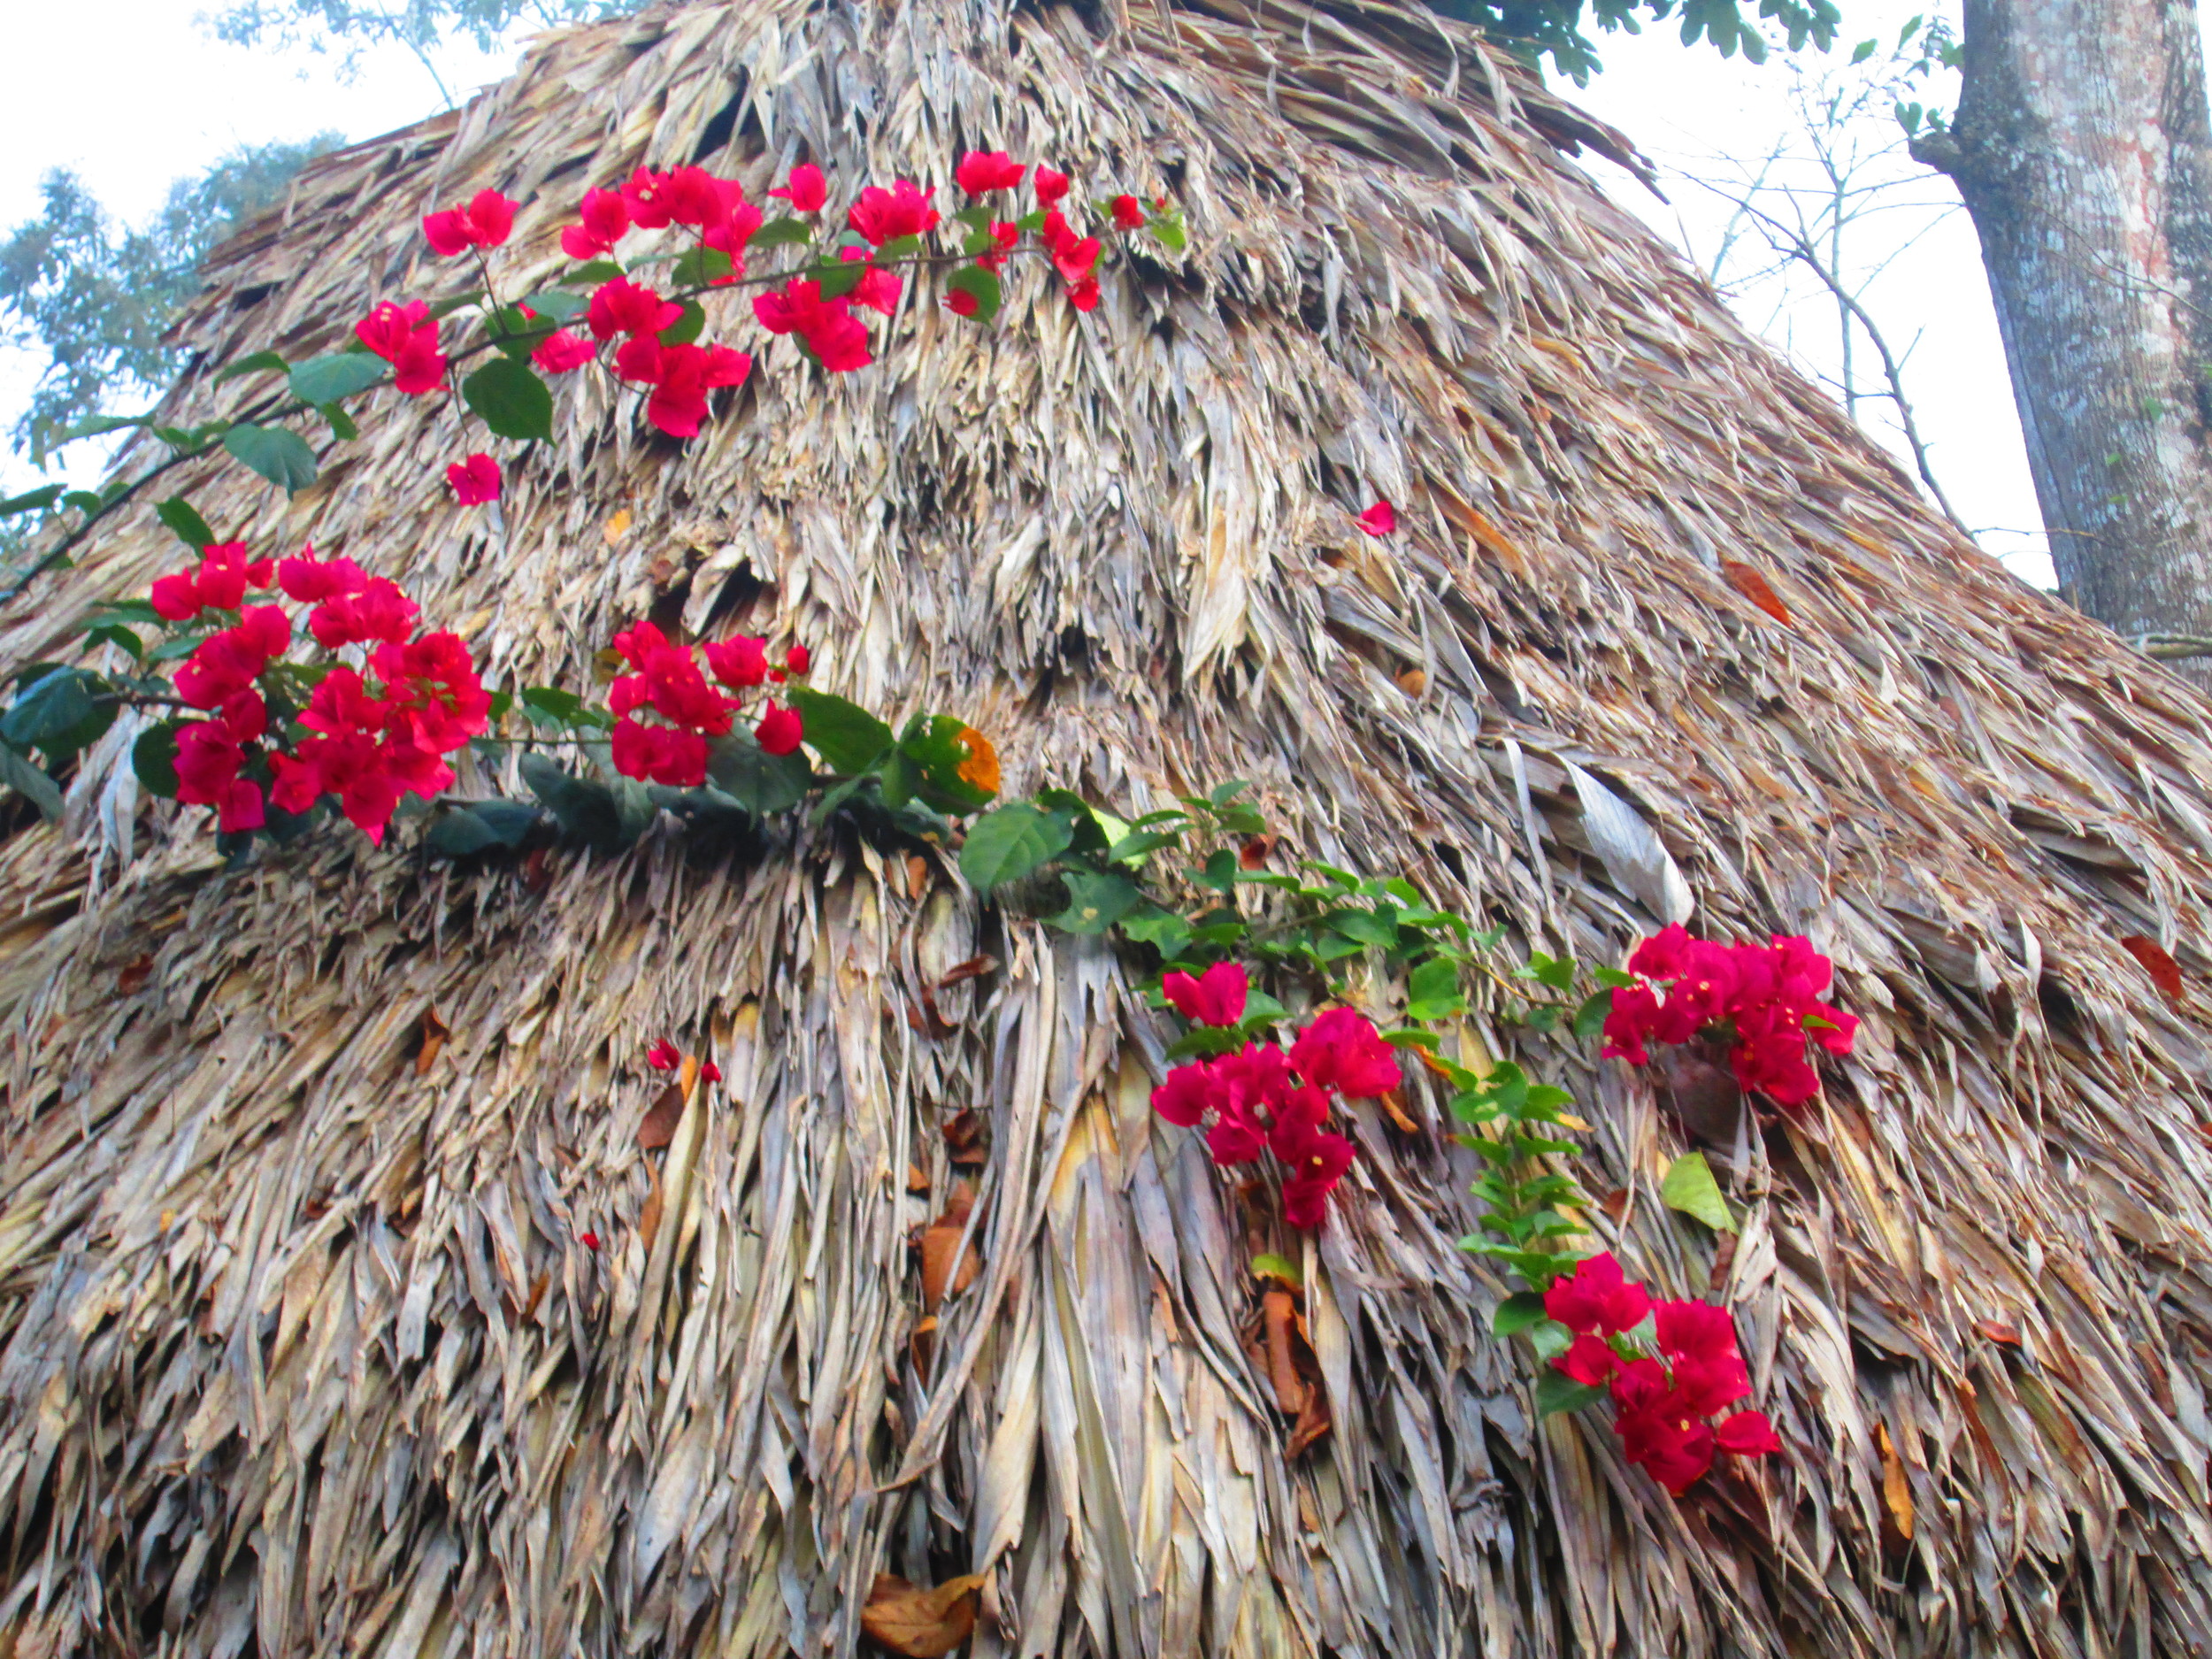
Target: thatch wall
(300, 1352)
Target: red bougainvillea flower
(225, 663)
(1763, 999)
(1128, 213)
(377, 610)
(605, 218)
(1598, 1297)
(211, 753)
(740, 662)
(878, 289)
(709, 1073)
(406, 337)
(1051, 185)
(1216, 998)
(882, 215)
(681, 377)
(836, 337)
(434, 700)
(561, 351)
(659, 754)
(1004, 235)
(960, 302)
(668, 682)
(1313, 1165)
(1747, 1435)
(588, 1240)
(806, 190)
(486, 222)
(475, 481)
(797, 660)
(981, 172)
(1084, 295)
(1072, 256)
(779, 729)
(662, 1056)
(1342, 1050)
(1186, 1094)
(1379, 519)
(623, 307)
(642, 193)
(311, 581)
(1590, 1360)
(220, 582)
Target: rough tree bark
(2083, 150)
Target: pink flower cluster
(1263, 1099)
(1661, 1401)
(406, 337)
(371, 738)
(1763, 999)
(667, 683)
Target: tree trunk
(2083, 150)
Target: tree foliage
(1555, 29)
(93, 302)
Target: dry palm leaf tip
(275, 717)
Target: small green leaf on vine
(1268, 1265)
(1689, 1186)
(1517, 1312)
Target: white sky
(167, 99)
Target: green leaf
(585, 809)
(454, 303)
(259, 363)
(1409, 1038)
(1205, 1040)
(278, 453)
(1096, 902)
(1689, 1186)
(326, 379)
(458, 834)
(696, 269)
(840, 279)
(1369, 927)
(1134, 848)
(39, 500)
(154, 758)
(58, 714)
(778, 233)
(1557, 973)
(973, 278)
(847, 737)
(1260, 1010)
(83, 501)
(97, 426)
(510, 399)
(1557, 1392)
(1168, 227)
(687, 327)
(898, 247)
(1164, 930)
(17, 773)
(1517, 1312)
(1433, 990)
(550, 706)
(938, 748)
(342, 425)
(758, 781)
(1268, 1265)
(1006, 845)
(190, 528)
(116, 634)
(558, 304)
(1589, 1022)
(1093, 828)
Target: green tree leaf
(584, 808)
(321, 381)
(19, 773)
(1557, 1392)
(258, 363)
(1590, 1018)
(1689, 1186)
(278, 453)
(973, 278)
(1434, 989)
(1517, 1312)
(1096, 902)
(758, 781)
(778, 233)
(190, 528)
(510, 399)
(1268, 1265)
(847, 737)
(58, 713)
(154, 758)
(1006, 845)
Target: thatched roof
(303, 1353)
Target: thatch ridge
(301, 1351)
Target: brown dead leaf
(1313, 1423)
(915, 1181)
(1724, 1259)
(1615, 1203)
(973, 968)
(963, 1138)
(658, 1127)
(1756, 587)
(941, 1240)
(1253, 854)
(133, 979)
(1413, 682)
(917, 875)
(1278, 1310)
(1998, 1331)
(537, 1293)
(616, 527)
(434, 1036)
(921, 1623)
(930, 1019)
(923, 1344)
(648, 1221)
(2164, 970)
(535, 876)
(1896, 1491)
(1395, 1105)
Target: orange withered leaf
(1756, 587)
(921, 1623)
(2164, 970)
